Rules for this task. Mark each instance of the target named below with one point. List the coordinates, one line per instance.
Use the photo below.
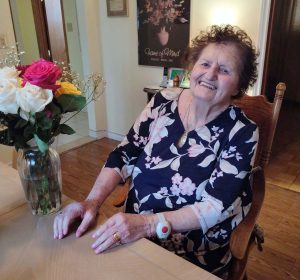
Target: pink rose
(42, 73)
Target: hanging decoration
(163, 31)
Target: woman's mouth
(207, 85)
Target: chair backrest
(265, 114)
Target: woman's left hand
(120, 229)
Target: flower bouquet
(36, 101)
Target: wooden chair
(265, 114)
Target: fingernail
(98, 251)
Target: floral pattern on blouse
(209, 173)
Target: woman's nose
(211, 73)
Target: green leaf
(43, 147)
(43, 122)
(71, 102)
(21, 123)
(32, 117)
(54, 109)
(44, 135)
(28, 131)
(65, 129)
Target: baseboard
(115, 136)
(74, 144)
(97, 134)
(104, 133)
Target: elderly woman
(190, 154)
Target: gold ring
(117, 237)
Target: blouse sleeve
(221, 197)
(124, 157)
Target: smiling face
(215, 75)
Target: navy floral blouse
(209, 173)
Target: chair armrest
(239, 239)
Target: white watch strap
(161, 217)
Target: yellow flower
(20, 81)
(66, 88)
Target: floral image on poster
(163, 31)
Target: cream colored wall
(88, 16)
(126, 79)
(25, 30)
(245, 14)
(109, 46)
(73, 40)
(6, 26)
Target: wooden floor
(280, 216)
(80, 167)
(284, 166)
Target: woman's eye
(224, 71)
(204, 64)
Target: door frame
(49, 22)
(279, 28)
(40, 21)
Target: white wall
(245, 14)
(6, 26)
(72, 34)
(109, 46)
(126, 79)
(88, 16)
(25, 30)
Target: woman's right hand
(86, 210)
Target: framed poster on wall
(163, 31)
(117, 8)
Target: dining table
(29, 251)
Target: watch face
(163, 230)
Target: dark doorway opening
(282, 64)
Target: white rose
(8, 103)
(8, 74)
(33, 99)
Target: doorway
(283, 65)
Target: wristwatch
(163, 228)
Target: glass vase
(40, 175)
